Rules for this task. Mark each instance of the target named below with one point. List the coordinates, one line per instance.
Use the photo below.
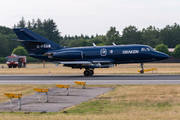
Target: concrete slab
(57, 100)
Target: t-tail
(33, 42)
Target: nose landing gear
(88, 72)
(142, 71)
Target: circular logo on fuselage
(111, 51)
(103, 52)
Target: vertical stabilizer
(33, 42)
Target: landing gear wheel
(10, 66)
(91, 72)
(86, 73)
(141, 71)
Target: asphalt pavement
(96, 79)
(57, 99)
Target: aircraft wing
(75, 62)
(86, 62)
(102, 61)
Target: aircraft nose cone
(165, 56)
(162, 56)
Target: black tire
(141, 71)
(10, 66)
(24, 65)
(91, 72)
(14, 66)
(86, 73)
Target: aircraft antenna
(114, 44)
(94, 44)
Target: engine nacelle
(68, 55)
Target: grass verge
(124, 102)
(37, 69)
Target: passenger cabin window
(143, 49)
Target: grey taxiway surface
(96, 79)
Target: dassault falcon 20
(88, 58)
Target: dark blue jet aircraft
(86, 57)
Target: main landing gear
(88, 72)
(142, 71)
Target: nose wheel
(142, 71)
(88, 72)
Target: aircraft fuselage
(116, 54)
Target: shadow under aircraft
(87, 58)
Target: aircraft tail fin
(33, 42)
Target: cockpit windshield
(151, 49)
(147, 49)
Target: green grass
(106, 106)
(112, 102)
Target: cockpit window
(143, 49)
(148, 49)
(151, 49)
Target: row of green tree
(164, 48)
(152, 36)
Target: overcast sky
(88, 17)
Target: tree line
(152, 36)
